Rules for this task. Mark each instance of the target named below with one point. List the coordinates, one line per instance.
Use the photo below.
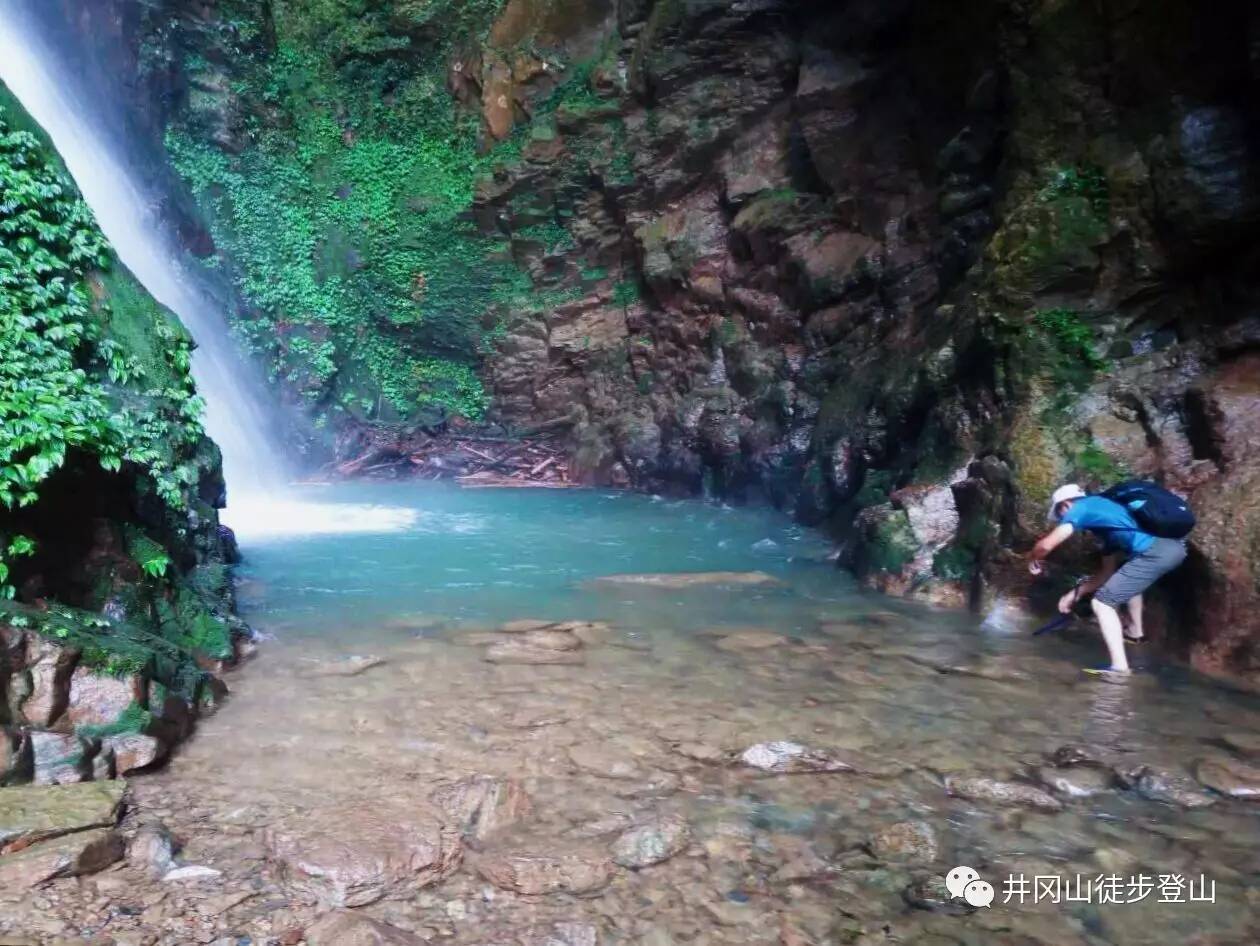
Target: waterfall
(237, 417)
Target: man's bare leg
(1113, 635)
(1136, 631)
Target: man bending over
(1133, 561)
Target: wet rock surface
(352, 856)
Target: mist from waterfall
(44, 79)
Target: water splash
(61, 99)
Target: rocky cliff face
(115, 601)
(899, 267)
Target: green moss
(88, 362)
(876, 487)
(954, 563)
(1095, 467)
(892, 546)
(134, 719)
(1086, 181)
(346, 217)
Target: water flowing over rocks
(483, 804)
(651, 843)
(350, 929)
(534, 873)
(349, 857)
(1002, 793)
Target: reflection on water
(654, 717)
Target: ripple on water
(650, 724)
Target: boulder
(1077, 781)
(553, 639)
(482, 804)
(1170, 787)
(349, 667)
(49, 669)
(151, 851)
(133, 751)
(1002, 793)
(98, 699)
(71, 855)
(355, 854)
(652, 842)
(521, 652)
(909, 841)
(341, 928)
(684, 580)
(29, 813)
(533, 873)
(525, 624)
(61, 758)
(1229, 777)
(749, 639)
(792, 758)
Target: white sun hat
(1062, 495)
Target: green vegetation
(1085, 180)
(1061, 350)
(892, 546)
(954, 563)
(134, 719)
(74, 374)
(347, 214)
(94, 373)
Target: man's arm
(1109, 565)
(1047, 544)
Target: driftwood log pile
(469, 459)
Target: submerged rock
(522, 652)
(524, 625)
(349, 667)
(652, 842)
(1078, 781)
(748, 639)
(1244, 743)
(552, 639)
(30, 814)
(792, 758)
(1165, 786)
(576, 871)
(1002, 793)
(1229, 777)
(355, 854)
(483, 804)
(912, 841)
(680, 580)
(353, 929)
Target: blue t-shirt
(1111, 522)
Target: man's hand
(1068, 601)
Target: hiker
(1143, 528)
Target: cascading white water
(236, 414)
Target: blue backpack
(1157, 511)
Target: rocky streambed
(580, 783)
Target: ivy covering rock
(115, 599)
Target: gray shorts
(1141, 571)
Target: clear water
(478, 557)
(653, 722)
